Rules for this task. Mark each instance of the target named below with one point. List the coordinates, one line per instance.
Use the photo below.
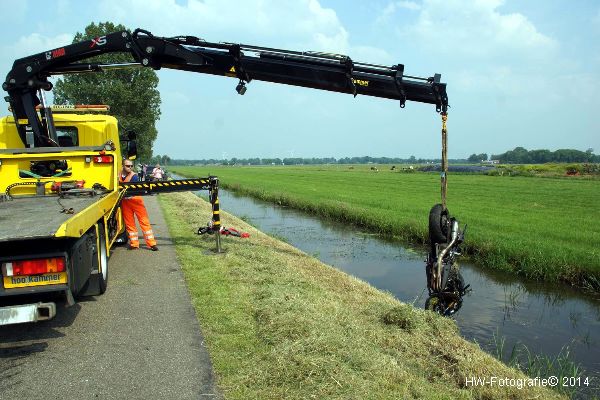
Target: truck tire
(438, 224)
(98, 281)
(122, 238)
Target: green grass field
(279, 324)
(542, 228)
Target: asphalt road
(140, 340)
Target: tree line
(517, 156)
(312, 161)
(520, 155)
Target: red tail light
(103, 159)
(33, 267)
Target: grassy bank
(542, 228)
(281, 325)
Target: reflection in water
(511, 301)
(544, 318)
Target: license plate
(52, 278)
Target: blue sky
(519, 73)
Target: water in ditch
(547, 319)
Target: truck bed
(39, 216)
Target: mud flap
(69, 298)
(92, 286)
(97, 281)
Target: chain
(444, 176)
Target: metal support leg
(216, 218)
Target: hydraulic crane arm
(28, 77)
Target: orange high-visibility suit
(131, 206)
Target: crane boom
(28, 77)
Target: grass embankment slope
(542, 228)
(279, 324)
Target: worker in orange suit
(134, 206)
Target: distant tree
(157, 159)
(569, 155)
(540, 156)
(475, 158)
(517, 156)
(521, 156)
(132, 94)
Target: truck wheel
(122, 238)
(98, 280)
(438, 224)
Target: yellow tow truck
(60, 210)
(59, 214)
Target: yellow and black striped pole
(216, 218)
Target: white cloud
(298, 25)
(501, 56)
(389, 10)
(371, 55)
(409, 5)
(217, 20)
(28, 45)
(36, 43)
(478, 29)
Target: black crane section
(28, 77)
